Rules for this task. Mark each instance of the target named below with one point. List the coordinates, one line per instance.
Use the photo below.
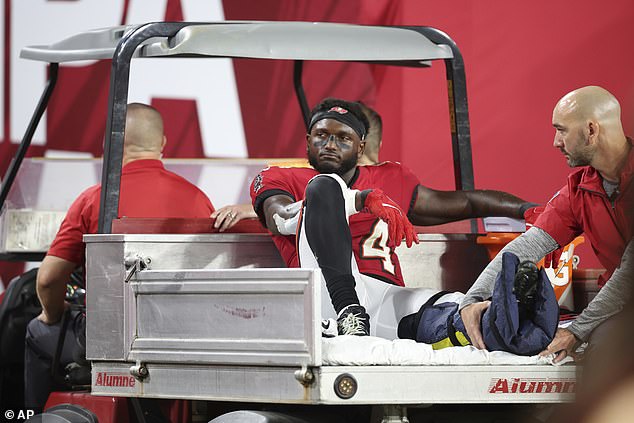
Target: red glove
(388, 211)
(552, 259)
(530, 216)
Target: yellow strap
(445, 343)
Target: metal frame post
(458, 109)
(117, 109)
(14, 166)
(298, 68)
(458, 113)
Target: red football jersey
(373, 251)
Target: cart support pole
(117, 109)
(12, 171)
(299, 91)
(458, 111)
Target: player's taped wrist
(363, 196)
(350, 198)
(288, 226)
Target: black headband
(342, 115)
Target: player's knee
(322, 187)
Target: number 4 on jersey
(374, 246)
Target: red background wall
(520, 58)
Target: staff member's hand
(227, 216)
(472, 317)
(563, 344)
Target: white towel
(349, 350)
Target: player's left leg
(324, 240)
(522, 318)
(389, 304)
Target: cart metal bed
(213, 317)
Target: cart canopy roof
(261, 40)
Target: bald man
(147, 190)
(597, 201)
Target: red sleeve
(399, 183)
(272, 181)
(558, 218)
(68, 243)
(271, 178)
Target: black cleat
(353, 320)
(408, 326)
(525, 286)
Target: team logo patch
(257, 183)
(338, 109)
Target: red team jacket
(582, 206)
(373, 251)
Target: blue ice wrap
(501, 326)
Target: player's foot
(525, 285)
(353, 320)
(408, 326)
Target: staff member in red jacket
(597, 201)
(147, 190)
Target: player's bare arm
(278, 205)
(435, 207)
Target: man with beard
(597, 201)
(338, 208)
(228, 216)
